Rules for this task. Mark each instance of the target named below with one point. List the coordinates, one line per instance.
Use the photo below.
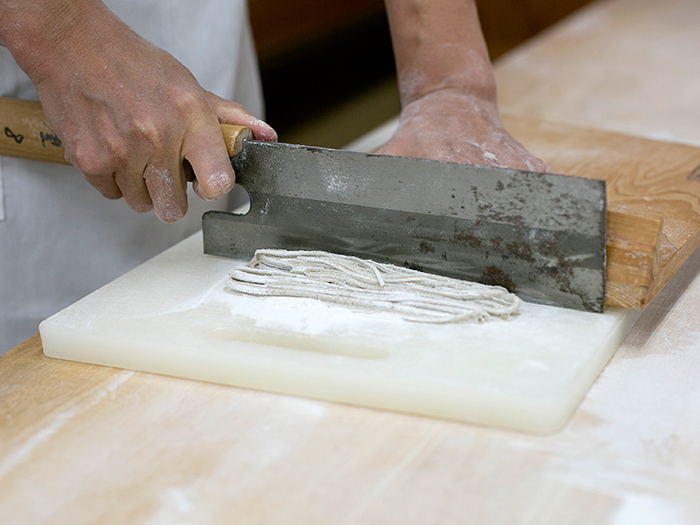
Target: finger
(99, 174)
(133, 187)
(167, 188)
(205, 150)
(538, 165)
(233, 113)
(104, 183)
(521, 158)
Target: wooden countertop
(623, 65)
(89, 444)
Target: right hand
(128, 114)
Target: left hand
(456, 126)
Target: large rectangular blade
(540, 235)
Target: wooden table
(88, 444)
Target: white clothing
(59, 238)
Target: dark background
(327, 66)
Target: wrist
(452, 105)
(475, 83)
(438, 45)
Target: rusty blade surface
(539, 235)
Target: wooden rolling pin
(26, 134)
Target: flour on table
(368, 285)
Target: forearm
(438, 44)
(42, 34)
(449, 109)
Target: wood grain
(25, 132)
(653, 192)
(632, 257)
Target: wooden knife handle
(26, 134)
(234, 137)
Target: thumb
(205, 150)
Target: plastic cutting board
(172, 315)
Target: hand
(453, 126)
(128, 113)
(447, 88)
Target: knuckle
(151, 131)
(97, 168)
(186, 100)
(235, 106)
(90, 162)
(118, 151)
(192, 106)
(96, 158)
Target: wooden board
(653, 192)
(627, 66)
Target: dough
(364, 284)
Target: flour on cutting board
(173, 315)
(368, 285)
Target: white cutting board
(172, 315)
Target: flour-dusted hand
(458, 127)
(128, 113)
(447, 88)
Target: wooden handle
(26, 134)
(234, 137)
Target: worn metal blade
(539, 235)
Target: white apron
(59, 238)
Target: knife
(540, 235)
